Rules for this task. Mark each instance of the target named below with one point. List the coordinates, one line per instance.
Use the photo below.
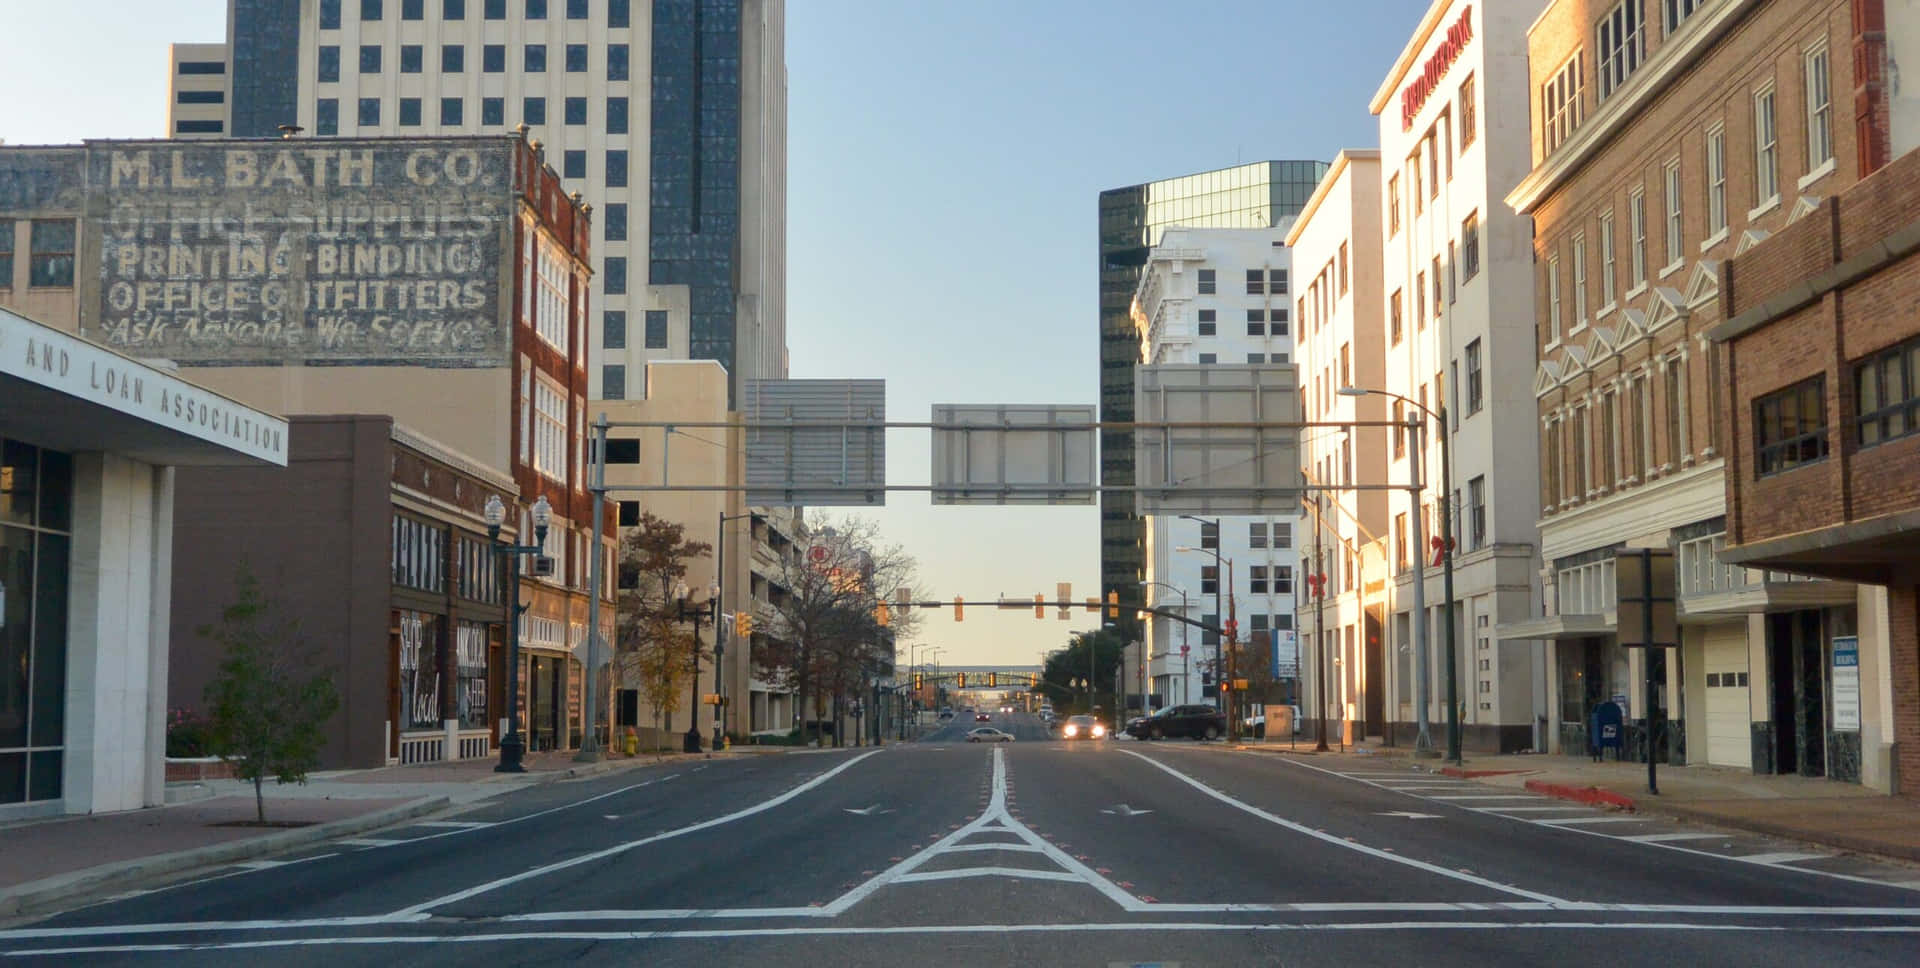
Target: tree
(649, 639)
(266, 719)
(1065, 666)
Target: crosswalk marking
(369, 842)
(1664, 838)
(453, 824)
(1531, 809)
(1557, 821)
(1780, 857)
(1489, 796)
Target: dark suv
(1196, 721)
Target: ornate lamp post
(513, 746)
(709, 612)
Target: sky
(944, 167)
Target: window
(1637, 430)
(1433, 163)
(1637, 222)
(534, 60)
(616, 168)
(1283, 585)
(551, 299)
(329, 15)
(326, 116)
(370, 9)
(577, 9)
(1420, 299)
(574, 163)
(1282, 532)
(1210, 536)
(369, 58)
(1256, 282)
(494, 10)
(199, 127)
(1278, 317)
(1277, 278)
(1607, 265)
(1552, 449)
(1619, 45)
(1207, 322)
(1346, 364)
(1477, 512)
(369, 111)
(452, 112)
(1393, 317)
(616, 62)
(1257, 534)
(613, 221)
(1206, 282)
(1716, 180)
(1579, 279)
(1399, 430)
(50, 258)
(1553, 300)
(1560, 104)
(616, 115)
(493, 110)
(1400, 541)
(619, 13)
(1393, 205)
(613, 275)
(410, 58)
(419, 554)
(1413, 181)
(574, 110)
(1819, 109)
(656, 329)
(1676, 412)
(550, 430)
(1674, 237)
(576, 58)
(613, 329)
(1209, 579)
(1469, 246)
(1886, 391)
(629, 518)
(453, 9)
(1468, 114)
(203, 67)
(1790, 427)
(1435, 280)
(536, 9)
(1256, 322)
(1256, 357)
(1766, 149)
(1453, 273)
(1474, 384)
(1609, 439)
(329, 63)
(533, 110)
(453, 58)
(1579, 445)
(200, 97)
(493, 58)
(613, 382)
(1257, 580)
(1678, 11)
(409, 112)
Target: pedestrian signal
(959, 613)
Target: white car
(987, 734)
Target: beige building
(197, 90)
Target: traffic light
(881, 615)
(1033, 680)
(993, 680)
(919, 681)
(1113, 604)
(962, 679)
(959, 613)
(742, 624)
(1039, 605)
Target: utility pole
(1319, 589)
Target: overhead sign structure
(1243, 465)
(1013, 454)
(817, 443)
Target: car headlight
(1070, 730)
(1099, 731)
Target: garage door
(1728, 720)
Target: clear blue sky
(945, 161)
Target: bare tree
(650, 641)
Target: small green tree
(267, 719)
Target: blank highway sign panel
(1016, 456)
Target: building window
(1413, 181)
(576, 58)
(656, 329)
(1553, 300)
(549, 430)
(1819, 109)
(329, 14)
(573, 163)
(1282, 534)
(1420, 299)
(1207, 322)
(1716, 180)
(616, 115)
(1430, 145)
(533, 110)
(1257, 580)
(50, 248)
(493, 58)
(536, 9)
(1637, 221)
(1674, 234)
(1393, 205)
(616, 62)
(1468, 114)
(1210, 536)
(1435, 280)
(1257, 534)
(1393, 317)
(1206, 282)
(1256, 282)
(1552, 450)
(1477, 513)
(1766, 149)
(453, 58)
(534, 61)
(1256, 322)
(1560, 104)
(629, 518)
(1277, 278)
(1400, 544)
(493, 110)
(410, 58)
(1790, 427)
(1580, 451)
(613, 329)
(1470, 248)
(613, 221)
(453, 9)
(369, 58)
(1473, 378)
(494, 10)
(326, 117)
(551, 299)
(616, 168)
(1638, 430)
(577, 9)
(409, 112)
(574, 110)
(1676, 412)
(1278, 317)
(1399, 429)
(1209, 579)
(613, 275)
(198, 127)
(1579, 279)
(329, 63)
(613, 382)
(619, 13)
(369, 112)
(1619, 46)
(1607, 264)
(1887, 394)
(1609, 439)
(419, 555)
(452, 112)
(370, 9)
(1678, 11)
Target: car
(945, 714)
(1083, 727)
(981, 717)
(987, 734)
(1198, 721)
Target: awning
(1767, 596)
(1554, 628)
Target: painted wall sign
(250, 253)
(1846, 683)
(1414, 95)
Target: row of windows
(453, 60)
(1210, 359)
(1259, 534)
(1261, 580)
(1598, 446)
(614, 329)
(1790, 425)
(50, 251)
(493, 111)
(1259, 282)
(619, 12)
(1436, 152)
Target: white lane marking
(453, 824)
(845, 931)
(1016, 872)
(668, 914)
(543, 870)
(1342, 842)
(1564, 809)
(260, 865)
(371, 842)
(866, 811)
(1126, 811)
(1450, 785)
(1409, 814)
(1782, 857)
(1018, 848)
(1663, 838)
(1562, 821)
(194, 927)
(1298, 907)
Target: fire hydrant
(633, 742)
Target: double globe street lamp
(513, 746)
(696, 613)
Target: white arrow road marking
(1126, 811)
(866, 811)
(1410, 815)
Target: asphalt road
(1035, 852)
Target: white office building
(1216, 296)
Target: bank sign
(250, 253)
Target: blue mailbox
(1605, 728)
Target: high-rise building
(667, 116)
(1256, 195)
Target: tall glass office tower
(1255, 195)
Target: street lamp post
(1184, 696)
(513, 746)
(708, 610)
(1223, 669)
(719, 632)
(1446, 558)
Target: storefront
(89, 441)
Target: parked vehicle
(1197, 721)
(987, 734)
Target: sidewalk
(48, 861)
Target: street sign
(815, 443)
(1644, 583)
(1227, 469)
(1002, 454)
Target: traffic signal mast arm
(1022, 604)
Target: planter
(183, 770)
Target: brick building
(1669, 137)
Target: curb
(1835, 840)
(34, 895)
(1591, 795)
